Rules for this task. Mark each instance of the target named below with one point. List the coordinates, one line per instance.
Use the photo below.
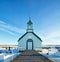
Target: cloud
(2, 29)
(9, 28)
(52, 38)
(53, 35)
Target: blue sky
(45, 15)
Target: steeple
(29, 26)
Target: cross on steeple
(29, 25)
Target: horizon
(14, 15)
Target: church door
(29, 44)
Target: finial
(29, 22)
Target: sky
(14, 15)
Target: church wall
(22, 42)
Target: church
(29, 41)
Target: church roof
(29, 22)
(27, 33)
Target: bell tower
(29, 26)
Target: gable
(36, 36)
(22, 37)
(27, 33)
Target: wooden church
(29, 41)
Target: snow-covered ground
(7, 57)
(52, 54)
(55, 56)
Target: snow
(5, 57)
(54, 56)
(57, 54)
(1, 56)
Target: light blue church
(29, 41)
